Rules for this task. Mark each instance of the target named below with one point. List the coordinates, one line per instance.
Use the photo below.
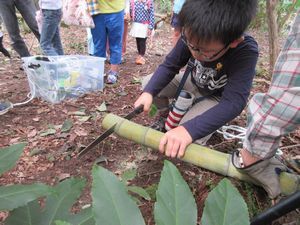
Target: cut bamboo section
(195, 154)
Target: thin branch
(288, 15)
(290, 146)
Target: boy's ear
(236, 42)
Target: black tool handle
(135, 112)
(287, 205)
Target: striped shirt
(277, 112)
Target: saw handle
(135, 112)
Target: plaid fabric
(277, 112)
(93, 7)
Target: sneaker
(112, 77)
(140, 60)
(3, 50)
(159, 125)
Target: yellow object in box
(72, 80)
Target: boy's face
(205, 52)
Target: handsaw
(109, 131)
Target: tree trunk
(198, 155)
(273, 32)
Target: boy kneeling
(222, 60)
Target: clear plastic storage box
(54, 78)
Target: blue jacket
(228, 78)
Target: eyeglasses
(199, 51)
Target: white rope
(232, 132)
(30, 97)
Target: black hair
(217, 20)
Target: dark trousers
(141, 45)
(8, 14)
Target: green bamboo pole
(198, 155)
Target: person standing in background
(142, 14)
(10, 20)
(126, 23)
(175, 23)
(2, 48)
(125, 34)
(108, 17)
(50, 35)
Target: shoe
(159, 125)
(140, 60)
(264, 172)
(112, 77)
(3, 50)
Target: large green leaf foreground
(198, 155)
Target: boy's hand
(175, 141)
(144, 99)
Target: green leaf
(139, 191)
(35, 151)
(58, 204)
(225, 205)
(30, 215)
(136, 80)
(14, 196)
(51, 126)
(111, 203)
(153, 110)
(48, 132)
(85, 217)
(57, 127)
(27, 214)
(102, 107)
(59, 222)
(175, 203)
(67, 125)
(128, 175)
(9, 156)
(151, 190)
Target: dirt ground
(51, 158)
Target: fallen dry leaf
(36, 119)
(32, 133)
(72, 137)
(63, 176)
(81, 132)
(14, 140)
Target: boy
(223, 59)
